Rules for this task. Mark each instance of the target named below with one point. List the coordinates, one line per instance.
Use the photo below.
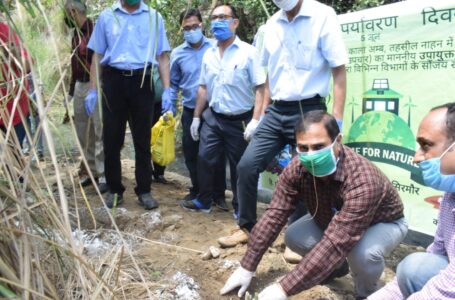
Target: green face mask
(132, 2)
(319, 163)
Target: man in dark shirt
(89, 129)
(354, 213)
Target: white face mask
(286, 5)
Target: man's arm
(284, 200)
(266, 99)
(201, 101)
(164, 69)
(257, 113)
(95, 71)
(339, 91)
(175, 78)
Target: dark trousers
(275, 131)
(158, 170)
(125, 100)
(220, 134)
(190, 152)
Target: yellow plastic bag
(163, 141)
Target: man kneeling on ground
(355, 216)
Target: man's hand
(90, 101)
(195, 128)
(166, 102)
(273, 292)
(250, 129)
(240, 278)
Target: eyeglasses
(191, 28)
(220, 17)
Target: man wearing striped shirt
(355, 213)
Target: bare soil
(177, 238)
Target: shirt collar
(86, 26)
(118, 6)
(236, 43)
(340, 173)
(305, 11)
(205, 40)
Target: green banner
(401, 64)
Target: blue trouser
(273, 133)
(366, 259)
(416, 269)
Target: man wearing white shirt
(302, 48)
(231, 84)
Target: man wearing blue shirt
(186, 61)
(231, 82)
(127, 44)
(302, 49)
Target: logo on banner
(380, 134)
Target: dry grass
(39, 255)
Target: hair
(233, 10)
(76, 4)
(317, 116)
(450, 119)
(188, 13)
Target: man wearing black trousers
(231, 83)
(123, 41)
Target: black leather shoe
(147, 201)
(86, 181)
(112, 199)
(160, 179)
(103, 187)
(341, 271)
(221, 203)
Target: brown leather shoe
(238, 236)
(291, 257)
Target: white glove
(240, 278)
(273, 292)
(195, 128)
(250, 129)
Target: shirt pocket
(303, 56)
(237, 76)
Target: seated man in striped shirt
(431, 275)
(355, 216)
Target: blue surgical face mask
(132, 2)
(221, 29)
(432, 177)
(193, 36)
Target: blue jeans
(366, 259)
(416, 269)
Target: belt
(188, 109)
(233, 117)
(129, 73)
(309, 101)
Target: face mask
(221, 30)
(320, 163)
(432, 177)
(193, 36)
(132, 2)
(286, 5)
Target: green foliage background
(35, 32)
